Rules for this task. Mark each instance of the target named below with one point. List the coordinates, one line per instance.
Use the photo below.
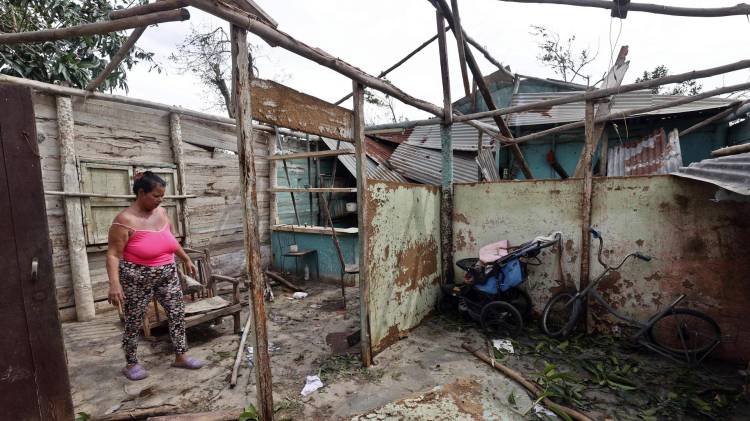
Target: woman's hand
(190, 268)
(115, 296)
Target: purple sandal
(190, 363)
(135, 372)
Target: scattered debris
(299, 295)
(503, 345)
(312, 383)
(284, 282)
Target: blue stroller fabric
(511, 275)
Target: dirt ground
(426, 375)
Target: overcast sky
(373, 35)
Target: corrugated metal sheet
(425, 165)
(464, 137)
(728, 172)
(486, 161)
(379, 151)
(656, 154)
(385, 174)
(375, 171)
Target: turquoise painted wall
(739, 133)
(330, 266)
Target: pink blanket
(494, 251)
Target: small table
(301, 254)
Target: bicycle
(681, 334)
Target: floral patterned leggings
(140, 283)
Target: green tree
(561, 55)
(688, 87)
(75, 61)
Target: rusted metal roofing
(378, 172)
(728, 172)
(377, 150)
(465, 137)
(656, 154)
(425, 165)
(392, 135)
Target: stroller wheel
(520, 300)
(447, 305)
(501, 319)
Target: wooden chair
(201, 302)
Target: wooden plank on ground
(281, 106)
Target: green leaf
(249, 414)
(82, 416)
(512, 398)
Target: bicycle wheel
(499, 318)
(560, 315)
(685, 332)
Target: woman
(140, 263)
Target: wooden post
(79, 263)
(588, 152)
(613, 79)
(273, 180)
(175, 136)
(739, 9)
(461, 43)
(243, 112)
(443, 7)
(446, 147)
(362, 220)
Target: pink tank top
(151, 248)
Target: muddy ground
(426, 375)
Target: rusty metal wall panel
(696, 243)
(279, 105)
(656, 154)
(403, 228)
(518, 211)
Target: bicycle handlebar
(597, 235)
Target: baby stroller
(489, 292)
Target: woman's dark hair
(147, 181)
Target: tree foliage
(207, 54)
(75, 61)
(561, 55)
(688, 87)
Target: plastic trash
(312, 383)
(299, 295)
(503, 345)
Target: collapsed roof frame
(245, 15)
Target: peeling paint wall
(403, 257)
(697, 244)
(519, 211)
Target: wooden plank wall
(138, 135)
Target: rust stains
(682, 201)
(416, 262)
(695, 245)
(459, 217)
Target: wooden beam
(158, 6)
(79, 263)
(273, 181)
(313, 190)
(242, 94)
(109, 196)
(240, 352)
(738, 10)
(601, 93)
(363, 220)
(178, 154)
(731, 150)
(251, 7)
(117, 58)
(442, 5)
(396, 65)
(588, 153)
(713, 118)
(96, 28)
(461, 44)
(613, 78)
(634, 112)
(279, 105)
(316, 154)
(446, 148)
(274, 36)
